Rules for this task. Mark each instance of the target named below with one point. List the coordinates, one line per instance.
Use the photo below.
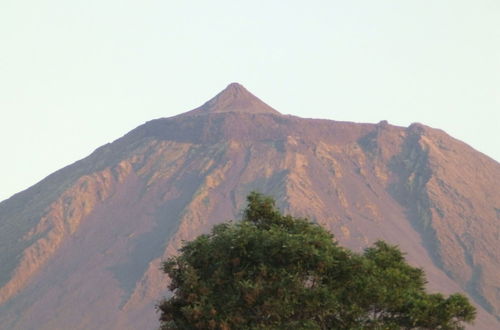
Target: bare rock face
(82, 248)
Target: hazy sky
(75, 75)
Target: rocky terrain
(82, 248)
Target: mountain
(82, 248)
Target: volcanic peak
(234, 98)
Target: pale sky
(75, 75)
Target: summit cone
(234, 98)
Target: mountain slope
(82, 248)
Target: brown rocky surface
(82, 248)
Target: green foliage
(274, 271)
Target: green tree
(274, 271)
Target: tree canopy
(274, 271)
